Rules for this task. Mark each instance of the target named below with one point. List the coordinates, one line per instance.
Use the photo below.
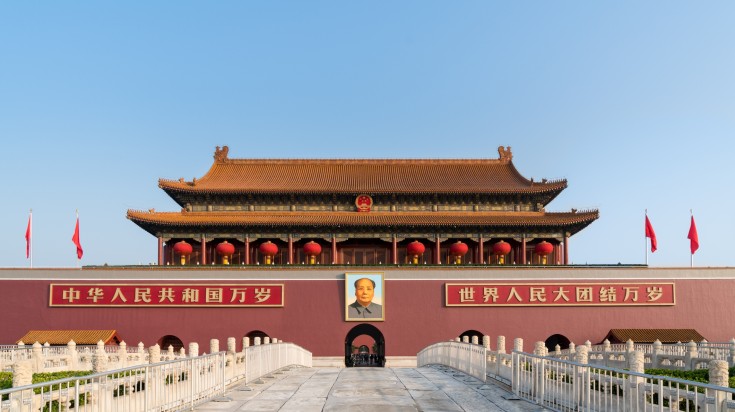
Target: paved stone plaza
(435, 388)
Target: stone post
(718, 375)
(231, 345)
(141, 353)
(37, 357)
(475, 340)
(572, 350)
(256, 341)
(588, 344)
(731, 358)
(465, 339)
(690, 355)
(22, 373)
(182, 352)
(266, 340)
(154, 354)
(539, 348)
(171, 352)
(99, 358)
(245, 343)
(71, 350)
(557, 350)
(274, 340)
(583, 376)
(501, 344)
(193, 349)
(518, 344)
(486, 342)
(629, 346)
(656, 350)
(213, 346)
(457, 339)
(636, 398)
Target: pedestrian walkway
(434, 388)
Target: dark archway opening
(557, 339)
(370, 350)
(170, 340)
(256, 334)
(470, 333)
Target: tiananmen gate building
(379, 255)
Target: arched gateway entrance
(371, 348)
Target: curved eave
(154, 222)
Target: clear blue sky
(632, 102)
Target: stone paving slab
(425, 389)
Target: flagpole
(30, 237)
(645, 240)
(691, 254)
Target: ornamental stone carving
(718, 373)
(636, 361)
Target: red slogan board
(167, 295)
(559, 294)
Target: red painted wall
(415, 316)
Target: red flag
(28, 238)
(76, 241)
(693, 237)
(651, 234)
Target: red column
(204, 251)
(523, 250)
(395, 251)
(247, 250)
(334, 249)
(290, 250)
(566, 250)
(481, 252)
(438, 252)
(160, 251)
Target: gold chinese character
(488, 293)
(538, 294)
(561, 293)
(514, 294)
(166, 293)
(95, 294)
(70, 295)
(238, 293)
(190, 295)
(584, 294)
(118, 294)
(142, 295)
(654, 293)
(630, 293)
(608, 294)
(213, 295)
(467, 294)
(262, 294)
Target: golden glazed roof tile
(362, 219)
(373, 176)
(62, 337)
(650, 335)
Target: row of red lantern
(313, 249)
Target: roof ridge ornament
(220, 155)
(505, 153)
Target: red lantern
(225, 250)
(268, 249)
(543, 249)
(183, 249)
(414, 249)
(501, 248)
(458, 249)
(312, 250)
